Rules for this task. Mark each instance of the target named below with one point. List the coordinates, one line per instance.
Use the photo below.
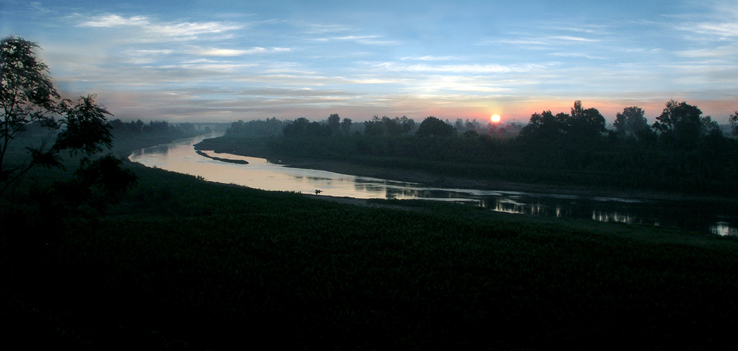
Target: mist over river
(705, 216)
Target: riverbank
(449, 182)
(451, 175)
(434, 180)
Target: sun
(495, 118)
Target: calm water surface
(180, 156)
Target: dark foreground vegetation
(682, 151)
(182, 263)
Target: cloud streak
(361, 39)
(237, 52)
(160, 31)
(460, 69)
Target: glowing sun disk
(495, 118)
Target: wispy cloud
(38, 7)
(201, 70)
(319, 28)
(730, 51)
(430, 58)
(146, 56)
(571, 38)
(549, 40)
(305, 92)
(361, 39)
(161, 31)
(239, 52)
(464, 68)
(109, 21)
(589, 28)
(722, 30)
(577, 54)
(719, 24)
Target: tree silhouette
(543, 127)
(334, 123)
(408, 125)
(631, 121)
(583, 123)
(681, 123)
(374, 127)
(298, 128)
(433, 126)
(346, 126)
(27, 96)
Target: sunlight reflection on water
(181, 157)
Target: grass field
(183, 263)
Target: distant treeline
(158, 128)
(334, 126)
(681, 151)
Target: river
(697, 215)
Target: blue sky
(186, 61)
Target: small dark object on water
(317, 191)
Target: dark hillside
(183, 263)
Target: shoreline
(434, 180)
(431, 180)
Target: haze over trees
(734, 122)
(631, 122)
(156, 129)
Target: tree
(346, 126)
(710, 127)
(433, 126)
(470, 125)
(631, 121)
(334, 123)
(315, 129)
(543, 128)
(734, 122)
(298, 128)
(374, 127)
(27, 96)
(583, 123)
(392, 126)
(681, 122)
(407, 124)
(459, 125)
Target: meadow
(185, 263)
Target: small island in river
(240, 162)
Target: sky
(221, 61)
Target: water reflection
(180, 157)
(724, 229)
(602, 216)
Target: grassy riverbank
(183, 263)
